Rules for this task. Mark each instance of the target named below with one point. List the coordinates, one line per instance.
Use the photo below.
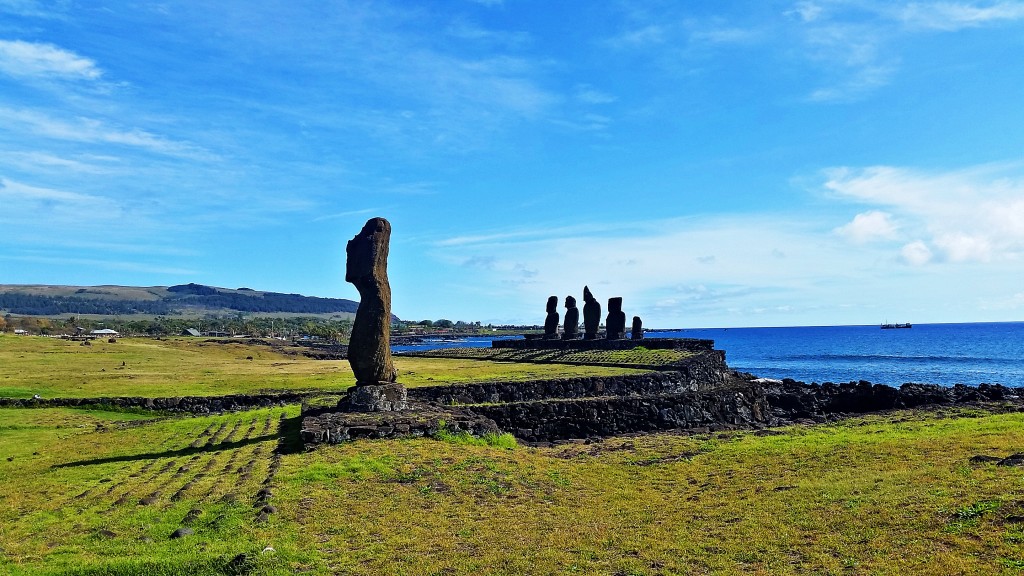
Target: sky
(716, 164)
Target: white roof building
(104, 332)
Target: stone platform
(330, 426)
(689, 344)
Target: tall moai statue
(551, 321)
(571, 326)
(615, 323)
(638, 329)
(369, 349)
(591, 315)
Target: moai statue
(591, 315)
(615, 323)
(369, 349)
(571, 326)
(551, 321)
(638, 329)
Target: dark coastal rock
(793, 400)
(181, 533)
(551, 320)
(638, 329)
(615, 323)
(591, 314)
(571, 326)
(369, 350)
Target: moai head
(570, 302)
(587, 295)
(615, 304)
(552, 304)
(367, 261)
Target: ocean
(944, 354)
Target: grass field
(93, 493)
(185, 367)
(88, 492)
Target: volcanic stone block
(377, 397)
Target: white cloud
(961, 247)
(869, 226)
(975, 214)
(916, 253)
(29, 59)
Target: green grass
(95, 492)
(888, 494)
(183, 367)
(639, 356)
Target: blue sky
(714, 163)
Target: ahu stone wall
(597, 417)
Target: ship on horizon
(887, 326)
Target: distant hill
(182, 299)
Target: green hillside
(182, 299)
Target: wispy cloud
(121, 265)
(92, 130)
(587, 94)
(855, 42)
(49, 207)
(345, 214)
(950, 16)
(44, 162)
(29, 59)
(34, 8)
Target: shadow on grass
(289, 440)
(189, 451)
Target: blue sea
(931, 353)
